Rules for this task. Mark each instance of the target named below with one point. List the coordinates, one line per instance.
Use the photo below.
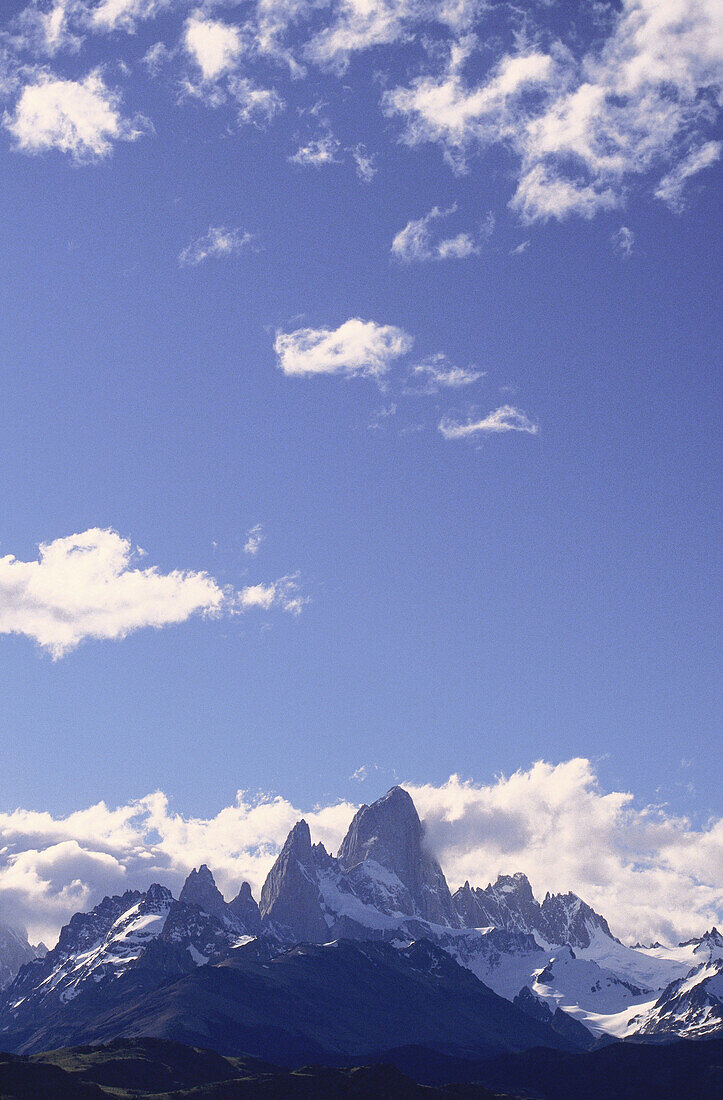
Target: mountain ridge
(556, 961)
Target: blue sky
(488, 513)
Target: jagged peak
(245, 892)
(299, 840)
(712, 936)
(464, 891)
(157, 895)
(518, 882)
(200, 889)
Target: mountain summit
(377, 919)
(390, 833)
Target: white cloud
(446, 110)
(623, 241)
(254, 537)
(652, 874)
(437, 372)
(543, 194)
(581, 128)
(355, 347)
(47, 30)
(358, 25)
(214, 46)
(417, 243)
(283, 593)
(505, 419)
(112, 15)
(671, 187)
(89, 586)
(220, 243)
(81, 118)
(366, 169)
(317, 153)
(256, 106)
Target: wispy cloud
(282, 593)
(79, 117)
(254, 537)
(418, 242)
(220, 242)
(671, 187)
(318, 152)
(623, 241)
(112, 15)
(366, 168)
(505, 419)
(436, 372)
(356, 347)
(90, 585)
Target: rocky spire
(508, 904)
(568, 919)
(290, 899)
(245, 909)
(390, 833)
(200, 889)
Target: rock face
(510, 904)
(290, 898)
(244, 908)
(558, 1020)
(390, 833)
(15, 951)
(383, 893)
(308, 1004)
(691, 1006)
(200, 889)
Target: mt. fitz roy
(370, 934)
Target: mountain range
(348, 957)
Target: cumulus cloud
(355, 348)
(220, 243)
(90, 586)
(505, 419)
(671, 187)
(52, 867)
(436, 372)
(214, 46)
(581, 127)
(416, 241)
(79, 117)
(652, 874)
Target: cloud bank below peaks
(652, 874)
(89, 585)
